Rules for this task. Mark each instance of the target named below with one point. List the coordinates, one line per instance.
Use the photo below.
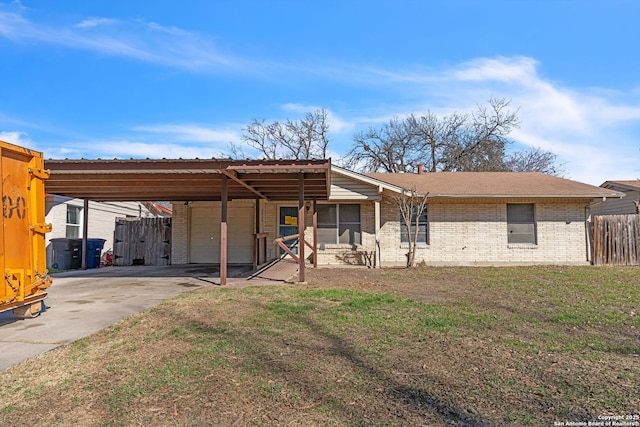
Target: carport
(180, 180)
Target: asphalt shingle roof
(493, 184)
(625, 182)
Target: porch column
(377, 233)
(315, 234)
(301, 227)
(85, 233)
(256, 241)
(223, 232)
(257, 214)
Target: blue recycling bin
(94, 252)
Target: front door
(288, 225)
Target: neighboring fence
(142, 241)
(616, 239)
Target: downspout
(588, 234)
(378, 258)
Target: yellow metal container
(22, 241)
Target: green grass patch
(285, 309)
(9, 409)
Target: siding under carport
(204, 232)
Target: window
(521, 225)
(422, 228)
(339, 224)
(74, 216)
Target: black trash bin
(66, 253)
(94, 252)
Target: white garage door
(204, 238)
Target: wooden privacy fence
(616, 239)
(142, 241)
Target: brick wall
(180, 234)
(363, 254)
(460, 233)
(475, 233)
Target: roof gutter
(527, 196)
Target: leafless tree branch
(294, 139)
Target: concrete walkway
(81, 303)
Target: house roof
(628, 184)
(494, 184)
(366, 178)
(188, 180)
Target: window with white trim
(423, 235)
(521, 224)
(74, 219)
(339, 223)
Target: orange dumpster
(22, 235)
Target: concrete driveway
(81, 303)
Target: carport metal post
(301, 243)
(223, 232)
(85, 233)
(315, 233)
(256, 241)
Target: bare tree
(435, 134)
(294, 139)
(257, 135)
(484, 156)
(411, 206)
(235, 152)
(482, 140)
(456, 142)
(534, 160)
(392, 148)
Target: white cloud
(336, 123)
(156, 151)
(124, 148)
(593, 130)
(519, 70)
(17, 138)
(192, 133)
(157, 141)
(139, 40)
(94, 22)
(10, 24)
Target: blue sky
(110, 78)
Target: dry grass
(430, 346)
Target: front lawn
(426, 346)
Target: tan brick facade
(470, 232)
(474, 232)
(344, 254)
(180, 234)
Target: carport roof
(187, 179)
